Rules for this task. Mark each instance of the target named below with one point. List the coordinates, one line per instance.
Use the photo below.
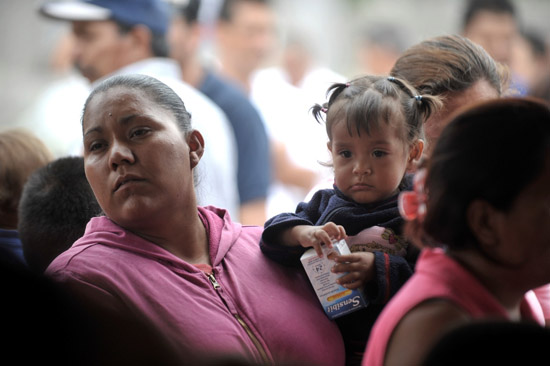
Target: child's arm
(313, 236)
(284, 250)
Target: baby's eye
(96, 145)
(345, 154)
(379, 153)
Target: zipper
(213, 281)
(216, 285)
(253, 338)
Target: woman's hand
(315, 236)
(360, 268)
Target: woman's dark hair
(491, 152)
(449, 64)
(159, 92)
(370, 101)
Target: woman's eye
(139, 132)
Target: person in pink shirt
(480, 211)
(197, 276)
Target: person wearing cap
(254, 163)
(115, 37)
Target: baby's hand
(315, 236)
(360, 268)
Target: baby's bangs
(370, 110)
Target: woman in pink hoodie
(196, 275)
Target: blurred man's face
(182, 40)
(249, 38)
(496, 33)
(99, 49)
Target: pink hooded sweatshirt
(250, 307)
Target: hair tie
(391, 78)
(347, 84)
(412, 204)
(418, 98)
(324, 109)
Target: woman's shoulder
(420, 328)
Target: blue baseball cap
(154, 14)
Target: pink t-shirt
(437, 276)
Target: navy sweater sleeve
(307, 213)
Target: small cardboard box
(335, 299)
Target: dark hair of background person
(56, 204)
(449, 64)
(226, 10)
(21, 153)
(491, 343)
(473, 160)
(159, 43)
(189, 11)
(493, 6)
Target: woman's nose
(120, 154)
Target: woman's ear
(481, 218)
(415, 154)
(196, 147)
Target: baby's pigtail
(427, 105)
(318, 110)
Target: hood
(221, 231)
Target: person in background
(483, 229)
(129, 36)
(199, 277)
(460, 72)
(374, 128)
(56, 204)
(245, 38)
(253, 150)
(245, 42)
(494, 25)
(531, 58)
(21, 153)
(454, 69)
(379, 46)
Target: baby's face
(368, 167)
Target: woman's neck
(501, 282)
(184, 237)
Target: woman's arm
(420, 329)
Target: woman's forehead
(120, 98)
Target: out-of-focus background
(335, 30)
